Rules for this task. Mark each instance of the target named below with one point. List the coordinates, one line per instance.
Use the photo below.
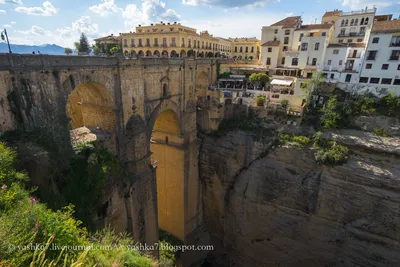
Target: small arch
(133, 53)
(148, 53)
(250, 57)
(356, 22)
(362, 21)
(126, 53)
(209, 54)
(342, 24)
(140, 53)
(183, 53)
(217, 54)
(156, 53)
(346, 22)
(366, 21)
(164, 53)
(174, 53)
(191, 53)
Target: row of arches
(172, 54)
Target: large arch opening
(168, 155)
(92, 118)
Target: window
(385, 66)
(340, 62)
(396, 82)
(125, 43)
(366, 21)
(140, 42)
(155, 41)
(314, 62)
(356, 22)
(147, 41)
(349, 40)
(374, 80)
(275, 38)
(352, 22)
(283, 61)
(346, 22)
(398, 67)
(269, 49)
(323, 34)
(165, 92)
(348, 78)
(329, 62)
(362, 21)
(295, 61)
(395, 55)
(241, 49)
(375, 40)
(173, 41)
(235, 49)
(368, 66)
(268, 61)
(340, 41)
(164, 41)
(183, 42)
(252, 49)
(335, 51)
(276, 31)
(301, 36)
(386, 81)
(371, 55)
(304, 46)
(287, 32)
(189, 43)
(247, 49)
(332, 75)
(311, 34)
(363, 79)
(132, 43)
(285, 48)
(342, 24)
(309, 75)
(316, 46)
(342, 32)
(286, 40)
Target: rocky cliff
(277, 207)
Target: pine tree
(84, 44)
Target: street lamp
(6, 37)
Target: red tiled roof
(289, 22)
(315, 26)
(386, 26)
(271, 43)
(332, 13)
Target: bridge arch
(167, 153)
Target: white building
(381, 68)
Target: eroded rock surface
(283, 209)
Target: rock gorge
(275, 206)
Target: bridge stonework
(129, 97)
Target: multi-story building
(224, 47)
(169, 40)
(245, 48)
(380, 72)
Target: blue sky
(62, 21)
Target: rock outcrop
(278, 207)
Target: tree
(68, 51)
(259, 79)
(313, 85)
(330, 115)
(84, 44)
(77, 46)
(114, 50)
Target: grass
(382, 132)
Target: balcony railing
(351, 34)
(155, 45)
(140, 45)
(371, 58)
(394, 58)
(353, 56)
(163, 45)
(133, 45)
(395, 44)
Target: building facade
(245, 48)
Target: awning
(281, 82)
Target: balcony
(371, 58)
(353, 56)
(140, 45)
(133, 45)
(155, 45)
(148, 45)
(173, 45)
(163, 45)
(395, 44)
(394, 58)
(351, 34)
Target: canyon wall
(277, 207)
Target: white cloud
(227, 3)
(47, 10)
(15, 2)
(13, 22)
(362, 4)
(290, 14)
(6, 26)
(150, 11)
(105, 8)
(36, 30)
(82, 25)
(2, 11)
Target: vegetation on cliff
(31, 234)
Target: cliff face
(283, 209)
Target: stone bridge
(147, 109)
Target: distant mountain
(50, 49)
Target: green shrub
(336, 154)
(8, 174)
(381, 132)
(296, 141)
(330, 115)
(285, 103)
